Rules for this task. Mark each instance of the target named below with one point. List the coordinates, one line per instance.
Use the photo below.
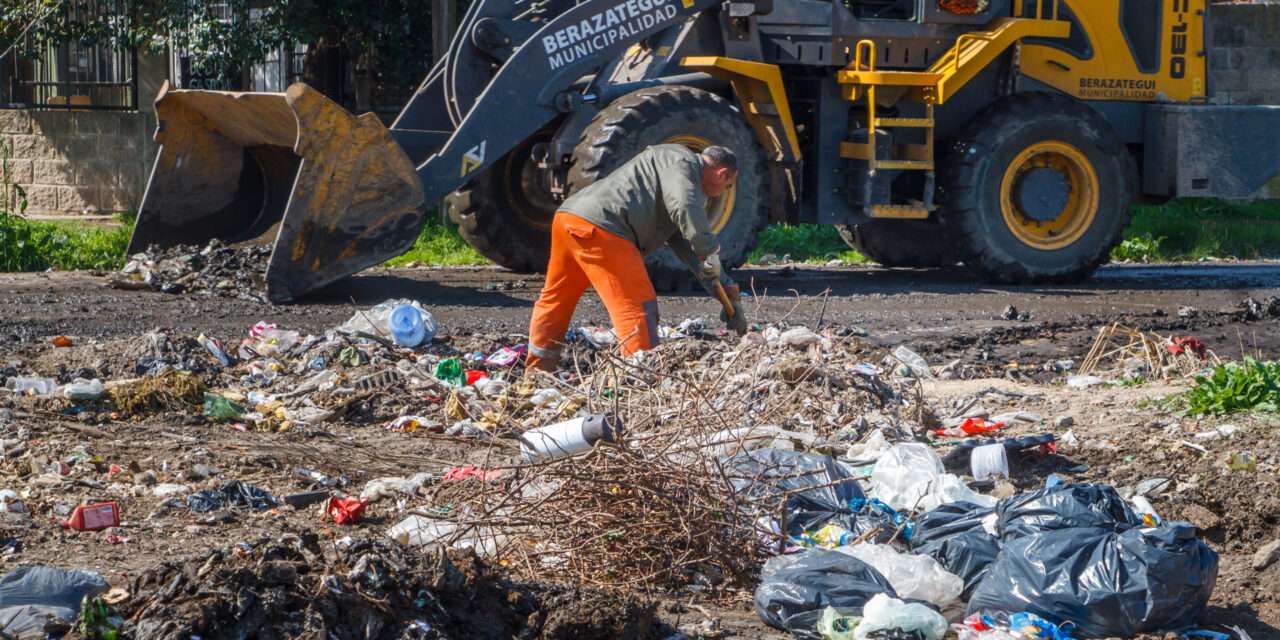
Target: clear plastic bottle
(35, 386)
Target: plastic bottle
(918, 365)
(34, 386)
(407, 328)
(568, 438)
(81, 389)
(417, 531)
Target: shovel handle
(723, 297)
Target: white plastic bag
(833, 626)
(884, 613)
(915, 577)
(911, 476)
(905, 474)
(869, 450)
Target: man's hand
(737, 323)
(710, 267)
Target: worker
(600, 235)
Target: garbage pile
(800, 463)
(298, 587)
(216, 269)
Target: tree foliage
(387, 38)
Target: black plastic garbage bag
(794, 589)
(32, 596)
(957, 459)
(1064, 506)
(1142, 580)
(822, 490)
(953, 535)
(236, 493)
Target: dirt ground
(1123, 436)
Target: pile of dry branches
(659, 507)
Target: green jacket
(653, 199)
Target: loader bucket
(332, 191)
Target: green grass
(1236, 386)
(1180, 230)
(34, 245)
(1183, 230)
(808, 243)
(439, 244)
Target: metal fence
(71, 75)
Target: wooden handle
(725, 302)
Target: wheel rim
(529, 199)
(719, 213)
(1049, 221)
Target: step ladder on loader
(932, 87)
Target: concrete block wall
(1244, 53)
(78, 163)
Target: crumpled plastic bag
(884, 613)
(954, 535)
(914, 577)
(794, 589)
(236, 493)
(32, 595)
(910, 476)
(1110, 584)
(374, 321)
(821, 490)
(1063, 506)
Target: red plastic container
(95, 516)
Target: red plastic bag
(346, 510)
(475, 375)
(1186, 344)
(469, 471)
(970, 427)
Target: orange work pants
(583, 254)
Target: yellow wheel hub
(720, 210)
(1070, 213)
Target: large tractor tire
(505, 212)
(1037, 190)
(901, 243)
(696, 119)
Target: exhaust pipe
(332, 192)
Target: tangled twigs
(659, 507)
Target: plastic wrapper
(911, 476)
(795, 589)
(374, 321)
(1141, 580)
(1063, 506)
(953, 534)
(823, 491)
(32, 595)
(884, 613)
(915, 577)
(236, 493)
